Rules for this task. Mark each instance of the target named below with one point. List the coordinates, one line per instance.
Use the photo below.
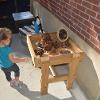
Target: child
(7, 59)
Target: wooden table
(47, 62)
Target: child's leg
(16, 78)
(7, 74)
(17, 72)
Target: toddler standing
(7, 58)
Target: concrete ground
(31, 78)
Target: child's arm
(15, 59)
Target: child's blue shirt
(5, 62)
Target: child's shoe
(12, 83)
(18, 83)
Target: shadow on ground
(35, 95)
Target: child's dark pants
(8, 71)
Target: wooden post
(44, 78)
(30, 47)
(73, 70)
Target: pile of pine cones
(46, 44)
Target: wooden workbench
(47, 61)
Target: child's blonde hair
(5, 33)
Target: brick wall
(81, 16)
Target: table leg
(72, 72)
(44, 78)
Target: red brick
(91, 13)
(73, 4)
(82, 8)
(59, 13)
(53, 6)
(76, 32)
(86, 4)
(77, 17)
(38, 0)
(99, 37)
(94, 21)
(89, 42)
(53, 10)
(98, 16)
(69, 6)
(53, 2)
(59, 17)
(78, 28)
(80, 18)
(74, 14)
(65, 9)
(97, 50)
(45, 2)
(92, 32)
(66, 23)
(92, 45)
(97, 29)
(78, 1)
(70, 22)
(58, 1)
(44, 5)
(96, 2)
(96, 8)
(82, 26)
(94, 41)
(75, 20)
(80, 35)
(49, 6)
(56, 4)
(68, 16)
(63, 3)
(73, 29)
(74, 25)
(66, 1)
(85, 34)
(84, 15)
(76, 11)
(88, 23)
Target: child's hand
(27, 59)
